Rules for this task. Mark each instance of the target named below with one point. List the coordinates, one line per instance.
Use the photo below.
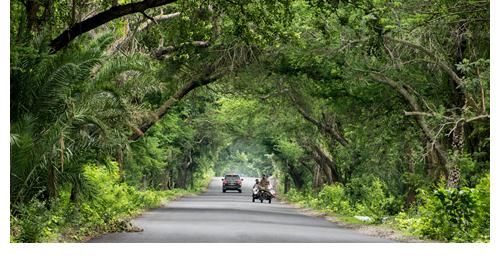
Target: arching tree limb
(143, 26)
(429, 53)
(415, 107)
(156, 19)
(181, 93)
(102, 18)
(329, 129)
(160, 52)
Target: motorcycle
(261, 194)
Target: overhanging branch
(207, 78)
(102, 18)
(160, 52)
(403, 90)
(429, 53)
(329, 129)
(143, 26)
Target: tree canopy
(357, 94)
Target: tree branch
(413, 103)
(156, 19)
(149, 17)
(325, 128)
(426, 114)
(102, 18)
(416, 113)
(160, 52)
(486, 116)
(429, 53)
(181, 93)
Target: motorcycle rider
(256, 184)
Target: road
(229, 217)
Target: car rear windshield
(232, 176)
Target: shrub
(482, 215)
(369, 196)
(294, 196)
(30, 225)
(365, 196)
(449, 214)
(106, 211)
(333, 198)
(406, 222)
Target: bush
(333, 198)
(294, 196)
(370, 198)
(482, 215)
(31, 224)
(106, 211)
(449, 214)
(406, 222)
(364, 196)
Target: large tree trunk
(166, 181)
(74, 196)
(286, 184)
(32, 8)
(48, 13)
(296, 175)
(411, 192)
(51, 182)
(317, 178)
(328, 167)
(453, 172)
(119, 160)
(144, 181)
(184, 171)
(457, 146)
(431, 161)
(180, 181)
(458, 102)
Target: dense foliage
(377, 108)
(105, 210)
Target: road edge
(381, 231)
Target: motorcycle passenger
(264, 182)
(263, 185)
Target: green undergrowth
(443, 214)
(107, 207)
(452, 215)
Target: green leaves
(456, 215)
(276, 58)
(290, 149)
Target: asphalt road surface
(232, 217)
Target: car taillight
(238, 181)
(224, 182)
